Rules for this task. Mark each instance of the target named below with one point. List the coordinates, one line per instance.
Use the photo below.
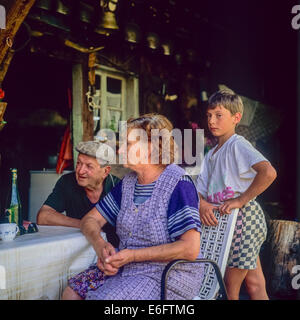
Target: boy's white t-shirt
(227, 173)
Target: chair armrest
(170, 265)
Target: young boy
(232, 174)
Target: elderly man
(77, 192)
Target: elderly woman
(155, 211)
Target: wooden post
(280, 254)
(87, 115)
(77, 128)
(82, 118)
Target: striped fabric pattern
(142, 192)
(109, 208)
(183, 213)
(182, 220)
(147, 226)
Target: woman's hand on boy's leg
(207, 215)
(229, 205)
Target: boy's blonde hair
(228, 99)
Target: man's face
(89, 174)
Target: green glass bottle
(14, 209)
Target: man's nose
(81, 169)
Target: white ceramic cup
(8, 231)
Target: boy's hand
(207, 215)
(229, 205)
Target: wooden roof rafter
(15, 16)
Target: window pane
(113, 118)
(98, 82)
(114, 93)
(113, 85)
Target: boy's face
(221, 122)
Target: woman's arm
(187, 247)
(91, 225)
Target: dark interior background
(250, 46)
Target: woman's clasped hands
(109, 260)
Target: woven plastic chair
(215, 245)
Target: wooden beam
(15, 16)
(57, 52)
(80, 48)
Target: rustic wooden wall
(280, 254)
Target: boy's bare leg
(234, 278)
(256, 284)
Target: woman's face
(137, 151)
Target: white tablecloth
(38, 265)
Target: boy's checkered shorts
(249, 234)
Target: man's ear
(107, 170)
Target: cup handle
(17, 229)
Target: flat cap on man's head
(96, 149)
